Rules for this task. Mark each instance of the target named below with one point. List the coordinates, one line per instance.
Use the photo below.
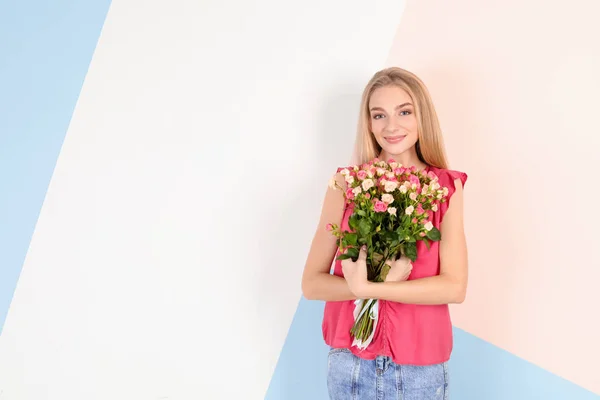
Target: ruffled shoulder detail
(446, 178)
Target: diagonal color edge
(478, 369)
(45, 52)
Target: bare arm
(317, 282)
(449, 286)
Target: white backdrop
(167, 257)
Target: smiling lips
(394, 139)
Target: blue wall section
(302, 366)
(45, 50)
(478, 370)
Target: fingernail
(364, 247)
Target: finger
(345, 267)
(401, 262)
(362, 255)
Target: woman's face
(393, 121)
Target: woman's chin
(394, 149)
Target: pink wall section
(518, 106)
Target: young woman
(407, 358)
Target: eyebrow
(397, 107)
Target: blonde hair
(429, 146)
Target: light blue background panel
(45, 50)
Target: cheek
(413, 140)
(377, 125)
(412, 124)
(411, 127)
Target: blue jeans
(352, 378)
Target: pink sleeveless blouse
(408, 333)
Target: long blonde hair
(430, 145)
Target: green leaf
(360, 212)
(401, 233)
(365, 227)
(352, 238)
(434, 234)
(410, 250)
(353, 222)
(343, 257)
(389, 236)
(427, 243)
(353, 252)
(376, 257)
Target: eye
(376, 116)
(405, 111)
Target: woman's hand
(355, 272)
(400, 269)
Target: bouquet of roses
(393, 208)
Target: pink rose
(349, 194)
(422, 234)
(380, 206)
(415, 221)
(329, 227)
(420, 209)
(362, 175)
(368, 195)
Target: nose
(393, 125)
